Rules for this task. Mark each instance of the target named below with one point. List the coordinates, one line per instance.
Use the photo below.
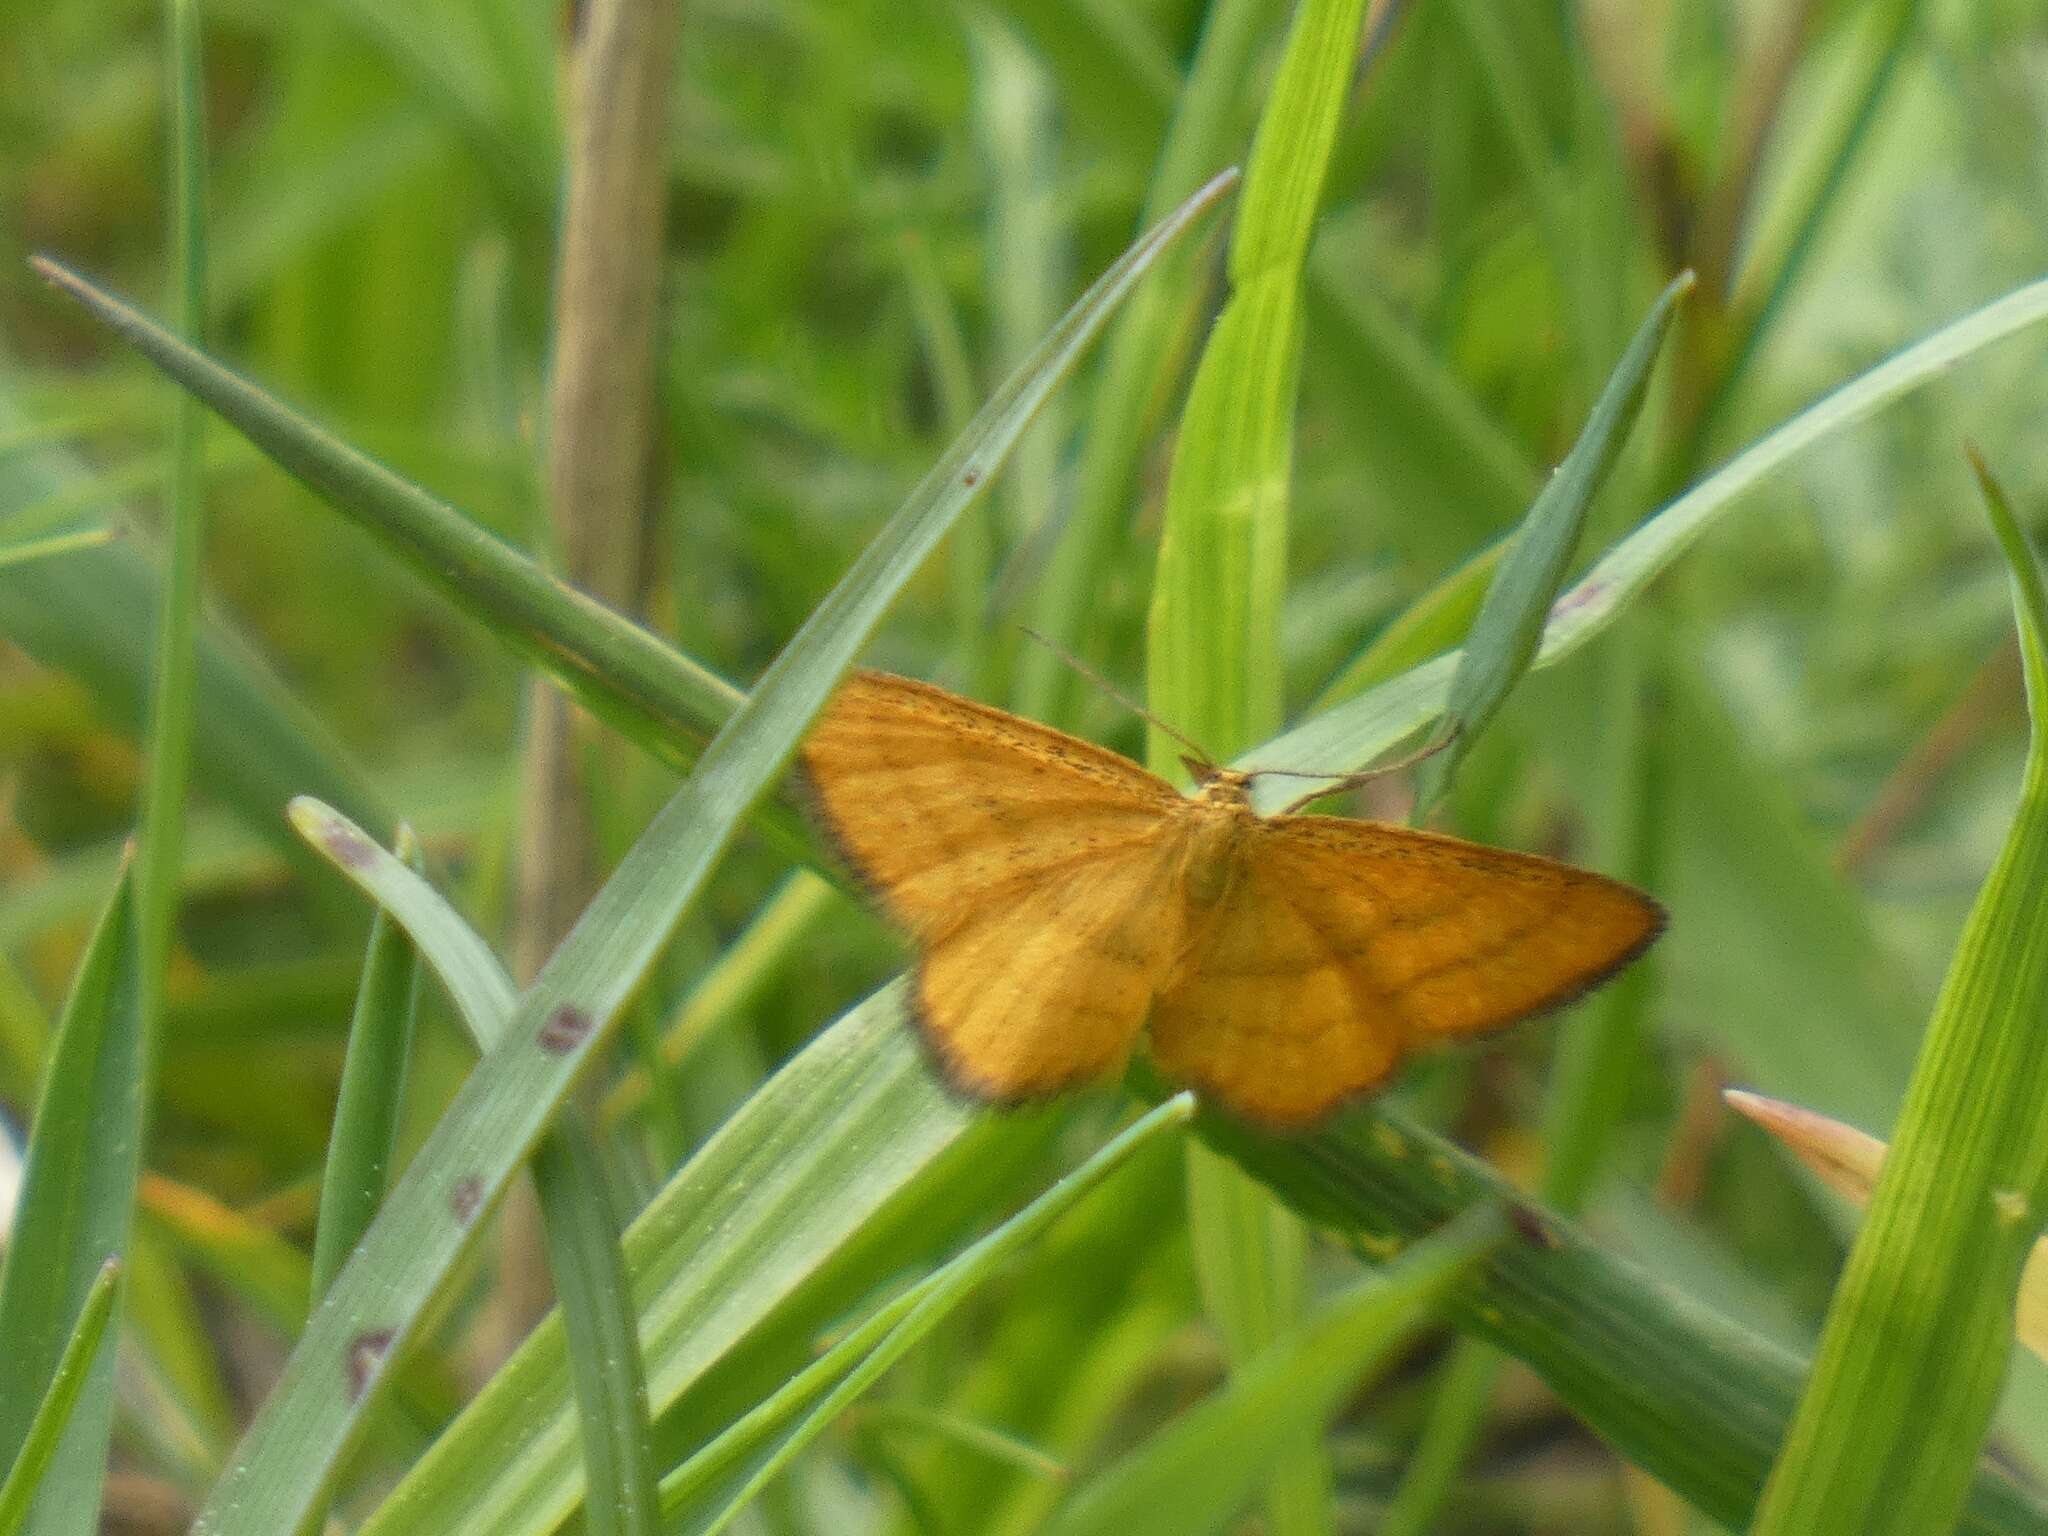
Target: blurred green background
(874, 211)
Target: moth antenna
(1343, 781)
(1199, 763)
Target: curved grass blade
(1917, 1338)
(1353, 733)
(293, 1451)
(76, 1211)
(949, 1288)
(579, 1222)
(53, 1413)
(1509, 625)
(1196, 1474)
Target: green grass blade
(595, 1303)
(1356, 731)
(813, 1157)
(365, 1135)
(76, 1211)
(1464, 1388)
(751, 1436)
(56, 544)
(173, 695)
(1918, 1335)
(481, 988)
(751, 961)
(1214, 665)
(1194, 1475)
(579, 1222)
(1695, 1400)
(161, 819)
(1773, 275)
(1214, 630)
(619, 670)
(954, 1284)
(294, 1449)
(1136, 360)
(53, 1413)
(1509, 625)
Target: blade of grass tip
(1213, 634)
(1510, 622)
(1194, 1475)
(1916, 1342)
(293, 1450)
(1353, 733)
(53, 1413)
(75, 1212)
(1695, 1400)
(1131, 380)
(952, 1286)
(621, 672)
(364, 1139)
(579, 1219)
(1848, 1162)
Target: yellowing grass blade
(1847, 1160)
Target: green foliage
(1777, 689)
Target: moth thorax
(1223, 808)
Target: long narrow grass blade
(1194, 1475)
(53, 1414)
(294, 1449)
(1509, 625)
(579, 1221)
(364, 1139)
(617, 669)
(1695, 1400)
(1353, 733)
(814, 1157)
(954, 1284)
(1918, 1334)
(1213, 634)
(1136, 361)
(75, 1213)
